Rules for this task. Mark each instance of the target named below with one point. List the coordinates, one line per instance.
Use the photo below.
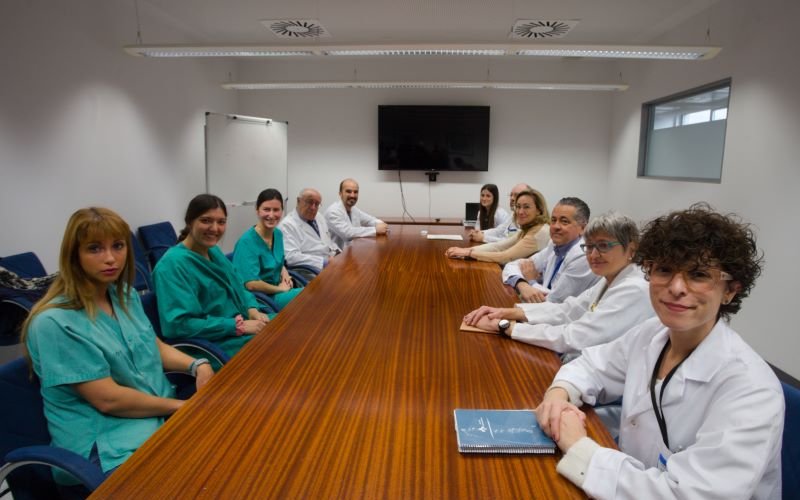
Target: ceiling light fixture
(622, 52)
(425, 85)
(416, 52)
(529, 49)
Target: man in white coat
(346, 221)
(306, 239)
(561, 269)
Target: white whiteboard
(244, 155)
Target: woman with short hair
(601, 313)
(702, 413)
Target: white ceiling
(420, 21)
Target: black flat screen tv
(441, 138)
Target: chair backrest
(143, 281)
(14, 309)
(26, 265)
(157, 239)
(790, 452)
(150, 307)
(22, 423)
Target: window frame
(647, 123)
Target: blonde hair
(73, 289)
(541, 206)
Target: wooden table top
(349, 392)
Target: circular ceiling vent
(532, 28)
(296, 28)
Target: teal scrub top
(255, 260)
(199, 297)
(67, 347)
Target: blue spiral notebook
(500, 431)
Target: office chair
(207, 348)
(25, 440)
(14, 308)
(304, 274)
(265, 300)
(157, 239)
(143, 281)
(790, 452)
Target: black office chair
(25, 440)
(15, 305)
(303, 274)
(157, 239)
(267, 302)
(143, 281)
(790, 451)
(192, 345)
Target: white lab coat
(574, 275)
(301, 244)
(724, 411)
(500, 232)
(344, 227)
(501, 217)
(572, 326)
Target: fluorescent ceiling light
(416, 52)
(240, 51)
(529, 49)
(621, 52)
(425, 85)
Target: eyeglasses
(696, 279)
(602, 247)
(524, 207)
(311, 203)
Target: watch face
(503, 324)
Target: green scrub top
(199, 297)
(67, 347)
(256, 261)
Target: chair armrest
(209, 348)
(268, 302)
(298, 278)
(83, 470)
(19, 301)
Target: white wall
(760, 176)
(82, 123)
(556, 141)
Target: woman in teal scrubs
(258, 255)
(99, 361)
(199, 292)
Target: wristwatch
(502, 326)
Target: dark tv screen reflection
(433, 138)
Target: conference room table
(349, 392)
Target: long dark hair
(486, 216)
(269, 195)
(199, 205)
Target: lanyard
(662, 422)
(559, 261)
